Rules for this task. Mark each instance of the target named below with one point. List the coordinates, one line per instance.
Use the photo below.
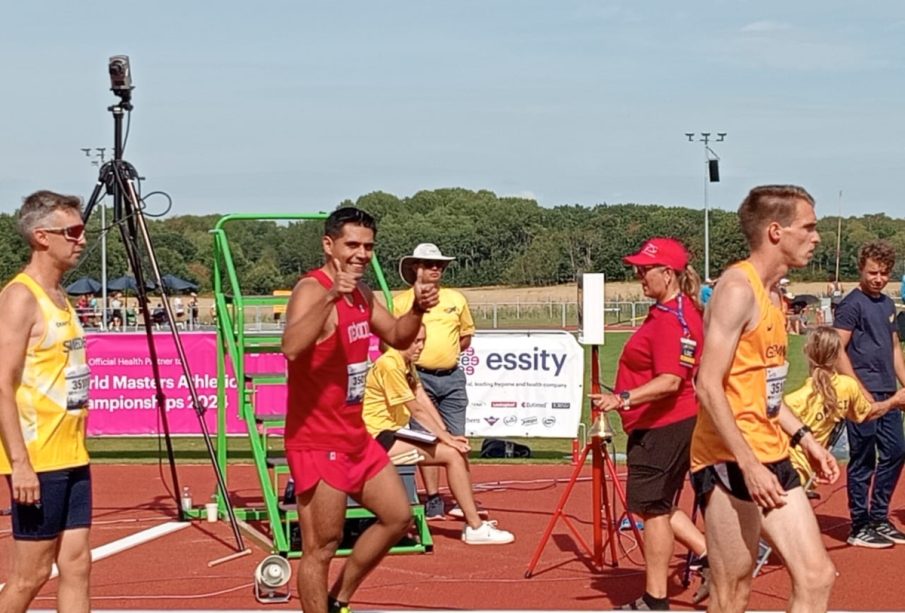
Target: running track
(172, 573)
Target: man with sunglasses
(44, 381)
(449, 330)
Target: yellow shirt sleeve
(466, 323)
(858, 404)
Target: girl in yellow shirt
(828, 397)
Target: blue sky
(293, 107)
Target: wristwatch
(626, 398)
(796, 438)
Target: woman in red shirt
(655, 397)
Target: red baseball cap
(660, 252)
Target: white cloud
(765, 26)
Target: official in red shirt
(654, 395)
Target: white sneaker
(458, 513)
(486, 534)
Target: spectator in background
(706, 291)
(393, 394)
(449, 330)
(116, 312)
(654, 394)
(828, 397)
(179, 309)
(83, 309)
(193, 311)
(865, 320)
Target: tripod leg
(137, 222)
(557, 512)
(620, 495)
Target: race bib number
(355, 391)
(776, 382)
(77, 382)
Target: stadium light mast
(711, 175)
(100, 162)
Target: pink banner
(123, 394)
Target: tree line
(497, 240)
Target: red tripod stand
(600, 462)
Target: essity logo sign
(510, 420)
(534, 405)
(549, 421)
(538, 360)
(560, 405)
(491, 421)
(468, 361)
(499, 404)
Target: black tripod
(118, 178)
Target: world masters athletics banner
(524, 383)
(519, 384)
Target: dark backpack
(498, 448)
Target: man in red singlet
(329, 320)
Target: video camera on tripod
(118, 178)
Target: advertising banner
(123, 394)
(524, 384)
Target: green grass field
(192, 449)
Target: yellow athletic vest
(753, 387)
(52, 398)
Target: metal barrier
(495, 315)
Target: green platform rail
(237, 341)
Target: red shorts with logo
(346, 472)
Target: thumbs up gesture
(344, 281)
(427, 295)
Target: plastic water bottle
(186, 499)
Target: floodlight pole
(704, 137)
(100, 162)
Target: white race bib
(355, 392)
(77, 382)
(776, 382)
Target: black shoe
(868, 537)
(889, 532)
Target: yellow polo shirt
(851, 404)
(446, 323)
(389, 385)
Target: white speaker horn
(272, 574)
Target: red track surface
(172, 572)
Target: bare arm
(730, 312)
(819, 456)
(897, 360)
(659, 387)
(399, 332)
(881, 408)
(309, 308)
(424, 411)
(19, 319)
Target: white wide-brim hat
(424, 251)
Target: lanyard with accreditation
(688, 344)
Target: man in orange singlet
(740, 450)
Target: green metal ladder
(235, 343)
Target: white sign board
(524, 383)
